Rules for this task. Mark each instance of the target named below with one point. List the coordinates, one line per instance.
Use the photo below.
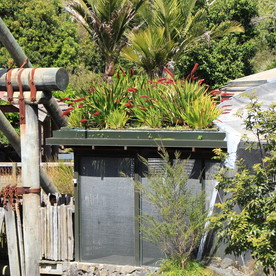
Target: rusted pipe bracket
(12, 194)
(23, 191)
(9, 86)
(21, 99)
(32, 85)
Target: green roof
(138, 138)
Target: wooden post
(30, 178)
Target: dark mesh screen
(107, 211)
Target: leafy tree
(178, 224)
(43, 30)
(229, 57)
(107, 22)
(253, 189)
(266, 40)
(173, 27)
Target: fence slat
(70, 234)
(20, 240)
(57, 231)
(14, 263)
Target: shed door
(106, 210)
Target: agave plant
(107, 21)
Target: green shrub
(253, 190)
(180, 216)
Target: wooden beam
(45, 79)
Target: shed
(107, 204)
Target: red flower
(83, 120)
(79, 100)
(227, 94)
(70, 109)
(92, 90)
(65, 112)
(129, 105)
(144, 109)
(201, 81)
(161, 80)
(132, 89)
(215, 92)
(169, 81)
(64, 99)
(131, 72)
(193, 71)
(169, 72)
(152, 99)
(225, 99)
(117, 101)
(81, 105)
(144, 96)
(97, 112)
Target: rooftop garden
(134, 101)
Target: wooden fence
(57, 237)
(57, 230)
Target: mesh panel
(107, 211)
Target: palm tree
(177, 27)
(107, 21)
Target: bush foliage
(178, 223)
(253, 190)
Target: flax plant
(134, 101)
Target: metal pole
(19, 57)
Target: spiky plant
(107, 21)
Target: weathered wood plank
(45, 79)
(20, 240)
(70, 233)
(64, 237)
(2, 216)
(59, 234)
(55, 234)
(14, 262)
